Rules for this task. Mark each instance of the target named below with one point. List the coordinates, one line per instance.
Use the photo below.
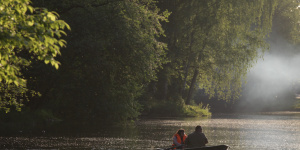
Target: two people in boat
(195, 139)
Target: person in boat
(196, 139)
(179, 139)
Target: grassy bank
(175, 109)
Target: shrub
(197, 110)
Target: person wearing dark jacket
(196, 139)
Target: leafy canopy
(215, 42)
(26, 34)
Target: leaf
(46, 61)
(61, 43)
(63, 32)
(30, 23)
(24, 9)
(3, 62)
(51, 16)
(30, 8)
(16, 82)
(56, 65)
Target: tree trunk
(185, 78)
(187, 66)
(165, 92)
(191, 90)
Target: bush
(197, 110)
(164, 109)
(174, 108)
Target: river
(257, 131)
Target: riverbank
(28, 122)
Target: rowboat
(217, 147)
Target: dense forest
(116, 60)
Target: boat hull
(217, 147)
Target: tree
(115, 53)
(286, 20)
(215, 43)
(27, 34)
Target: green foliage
(119, 48)
(197, 110)
(213, 44)
(27, 34)
(174, 107)
(286, 20)
(13, 95)
(133, 56)
(115, 53)
(164, 109)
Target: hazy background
(273, 81)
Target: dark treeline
(126, 58)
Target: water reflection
(240, 131)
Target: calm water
(264, 131)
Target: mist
(274, 80)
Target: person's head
(180, 132)
(198, 129)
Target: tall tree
(216, 42)
(115, 53)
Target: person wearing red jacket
(179, 139)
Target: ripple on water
(240, 132)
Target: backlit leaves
(24, 29)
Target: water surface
(260, 131)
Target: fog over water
(272, 82)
